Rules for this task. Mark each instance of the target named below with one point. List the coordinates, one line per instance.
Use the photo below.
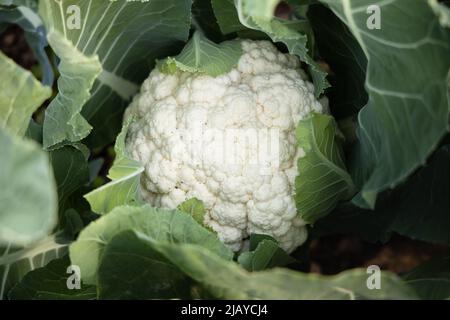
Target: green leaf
(264, 10)
(126, 36)
(71, 171)
(63, 122)
(226, 16)
(51, 283)
(71, 224)
(431, 280)
(225, 279)
(34, 132)
(265, 254)
(20, 96)
(16, 262)
(322, 180)
(278, 30)
(403, 121)
(159, 224)
(339, 48)
(203, 18)
(28, 200)
(204, 56)
(256, 239)
(125, 175)
(31, 23)
(132, 269)
(417, 209)
(421, 207)
(195, 208)
(347, 218)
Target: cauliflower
(266, 91)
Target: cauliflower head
(268, 92)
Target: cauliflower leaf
(204, 56)
(159, 225)
(323, 179)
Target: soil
(14, 45)
(328, 255)
(333, 254)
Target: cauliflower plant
(267, 89)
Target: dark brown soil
(331, 255)
(14, 45)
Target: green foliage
(264, 253)
(418, 209)
(225, 279)
(132, 268)
(20, 96)
(95, 56)
(258, 15)
(158, 224)
(339, 48)
(195, 208)
(63, 122)
(125, 176)
(394, 139)
(50, 283)
(16, 261)
(28, 201)
(324, 180)
(71, 171)
(201, 55)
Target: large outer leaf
(254, 15)
(158, 224)
(323, 179)
(15, 262)
(28, 200)
(421, 208)
(226, 279)
(20, 96)
(127, 37)
(50, 283)
(404, 120)
(339, 48)
(418, 208)
(131, 268)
